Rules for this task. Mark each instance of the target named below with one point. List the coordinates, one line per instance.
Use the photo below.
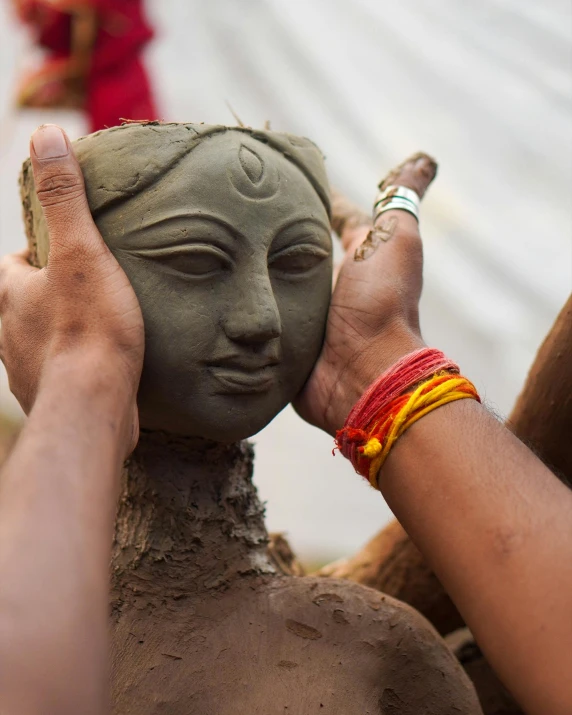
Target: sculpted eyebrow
(185, 216)
(310, 219)
(175, 229)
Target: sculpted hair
(121, 162)
(130, 168)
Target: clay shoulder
(346, 602)
(393, 642)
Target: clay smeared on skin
(351, 223)
(381, 233)
(417, 172)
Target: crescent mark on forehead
(253, 176)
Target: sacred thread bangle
(416, 385)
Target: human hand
(374, 313)
(58, 83)
(80, 308)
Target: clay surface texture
(204, 624)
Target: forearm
(57, 506)
(496, 526)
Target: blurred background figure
(92, 59)
(485, 87)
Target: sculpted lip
(238, 378)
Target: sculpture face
(230, 256)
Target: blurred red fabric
(117, 85)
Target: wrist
(364, 370)
(94, 384)
(428, 442)
(91, 368)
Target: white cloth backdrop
(486, 87)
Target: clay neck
(189, 518)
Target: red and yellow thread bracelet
(416, 385)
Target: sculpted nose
(254, 317)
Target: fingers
(61, 192)
(353, 225)
(13, 267)
(348, 220)
(417, 172)
(394, 244)
(19, 261)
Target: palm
(373, 317)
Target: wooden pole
(542, 415)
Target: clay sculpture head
(224, 234)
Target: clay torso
(288, 645)
(203, 623)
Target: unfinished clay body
(224, 235)
(204, 624)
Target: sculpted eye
(298, 259)
(199, 260)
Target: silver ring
(396, 198)
(397, 204)
(403, 192)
